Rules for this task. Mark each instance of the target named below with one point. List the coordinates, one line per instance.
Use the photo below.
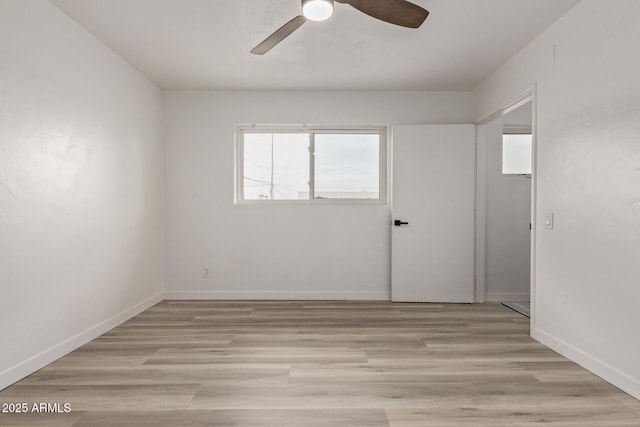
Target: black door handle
(398, 223)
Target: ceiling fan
(399, 12)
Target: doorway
(507, 146)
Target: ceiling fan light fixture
(317, 10)
(398, 12)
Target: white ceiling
(205, 44)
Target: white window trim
(312, 130)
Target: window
(275, 166)
(516, 154)
(301, 164)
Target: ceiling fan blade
(399, 12)
(280, 34)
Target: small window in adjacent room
(301, 164)
(516, 154)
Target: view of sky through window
(347, 166)
(277, 166)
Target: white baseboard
(508, 296)
(278, 295)
(16, 373)
(624, 382)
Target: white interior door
(433, 184)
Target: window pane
(347, 166)
(276, 166)
(516, 154)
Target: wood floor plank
(106, 397)
(286, 355)
(320, 363)
(329, 396)
(226, 418)
(343, 340)
(40, 419)
(484, 417)
(277, 374)
(406, 373)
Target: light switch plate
(548, 221)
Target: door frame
(530, 95)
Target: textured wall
(80, 187)
(587, 273)
(283, 251)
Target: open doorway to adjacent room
(507, 146)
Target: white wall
(587, 293)
(80, 188)
(508, 213)
(291, 251)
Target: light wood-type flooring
(299, 364)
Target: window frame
(381, 130)
(515, 130)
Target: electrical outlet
(206, 273)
